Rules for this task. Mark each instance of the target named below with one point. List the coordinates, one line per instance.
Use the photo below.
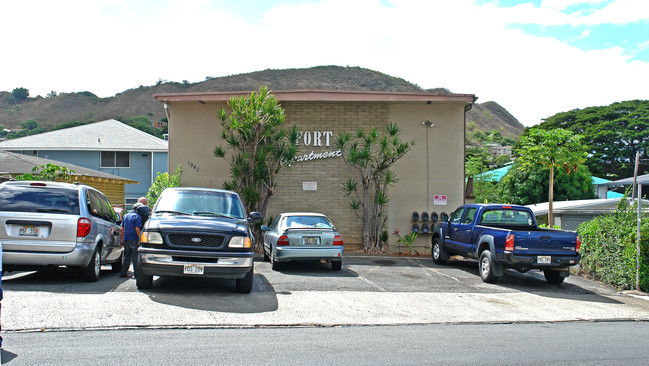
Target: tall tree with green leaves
(531, 185)
(614, 134)
(550, 149)
(261, 147)
(370, 154)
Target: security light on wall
(427, 123)
(166, 107)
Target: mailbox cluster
(425, 229)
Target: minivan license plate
(28, 231)
(543, 259)
(194, 269)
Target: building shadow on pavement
(314, 269)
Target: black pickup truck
(197, 232)
(501, 236)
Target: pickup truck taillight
(83, 227)
(578, 243)
(338, 240)
(283, 240)
(509, 243)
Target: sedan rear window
(308, 222)
(32, 199)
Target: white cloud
(584, 34)
(561, 5)
(108, 46)
(620, 12)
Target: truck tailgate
(545, 242)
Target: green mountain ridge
(86, 107)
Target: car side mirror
(264, 228)
(255, 217)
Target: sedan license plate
(28, 230)
(194, 269)
(544, 259)
(311, 240)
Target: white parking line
(433, 270)
(372, 283)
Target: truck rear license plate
(311, 240)
(544, 259)
(28, 231)
(193, 269)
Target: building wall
(435, 166)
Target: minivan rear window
(33, 199)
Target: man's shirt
(130, 222)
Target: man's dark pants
(130, 255)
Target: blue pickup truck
(505, 236)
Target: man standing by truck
(130, 237)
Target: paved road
(369, 290)
(573, 343)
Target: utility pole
(635, 173)
(635, 181)
(637, 270)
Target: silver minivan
(58, 224)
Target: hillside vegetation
(54, 110)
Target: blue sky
(536, 57)
(631, 35)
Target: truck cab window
(457, 215)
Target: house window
(115, 159)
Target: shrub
(609, 247)
(161, 182)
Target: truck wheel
(142, 281)
(553, 277)
(437, 252)
(91, 272)
(244, 285)
(486, 267)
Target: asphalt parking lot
(368, 290)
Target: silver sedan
(302, 236)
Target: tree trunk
(551, 198)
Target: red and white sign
(439, 199)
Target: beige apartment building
(431, 175)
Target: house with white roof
(108, 146)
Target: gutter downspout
(166, 108)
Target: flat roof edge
(321, 96)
